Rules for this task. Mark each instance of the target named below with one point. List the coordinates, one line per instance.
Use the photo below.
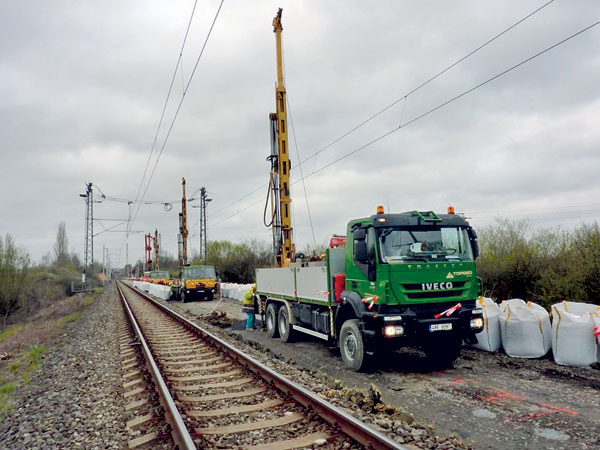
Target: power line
(179, 105)
(425, 114)
(447, 102)
(301, 173)
(425, 83)
(166, 100)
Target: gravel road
(74, 399)
(491, 401)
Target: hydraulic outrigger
(280, 165)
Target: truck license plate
(440, 327)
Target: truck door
(363, 276)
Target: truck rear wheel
(271, 320)
(283, 325)
(352, 346)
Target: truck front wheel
(443, 353)
(271, 319)
(283, 325)
(352, 346)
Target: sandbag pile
(234, 290)
(525, 329)
(575, 336)
(489, 339)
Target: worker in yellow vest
(248, 307)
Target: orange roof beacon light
(450, 209)
(379, 209)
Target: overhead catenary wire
(312, 228)
(289, 110)
(432, 110)
(453, 99)
(162, 115)
(425, 83)
(176, 114)
(404, 97)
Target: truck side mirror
(360, 251)
(475, 246)
(360, 234)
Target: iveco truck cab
(406, 279)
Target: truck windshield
(199, 272)
(159, 274)
(424, 244)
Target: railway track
(215, 396)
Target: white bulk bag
(226, 290)
(489, 338)
(573, 340)
(525, 329)
(597, 336)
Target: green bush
(237, 263)
(14, 265)
(545, 266)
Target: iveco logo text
(436, 286)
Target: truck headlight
(393, 330)
(476, 323)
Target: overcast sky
(83, 84)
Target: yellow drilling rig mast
(281, 221)
(183, 231)
(156, 247)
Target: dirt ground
(491, 401)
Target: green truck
(396, 280)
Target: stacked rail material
(574, 333)
(490, 339)
(525, 329)
(234, 290)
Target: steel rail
(179, 432)
(350, 425)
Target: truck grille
(434, 294)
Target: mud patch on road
(218, 319)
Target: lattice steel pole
(89, 230)
(203, 229)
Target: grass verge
(27, 342)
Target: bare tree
(14, 263)
(61, 246)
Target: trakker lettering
(436, 286)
